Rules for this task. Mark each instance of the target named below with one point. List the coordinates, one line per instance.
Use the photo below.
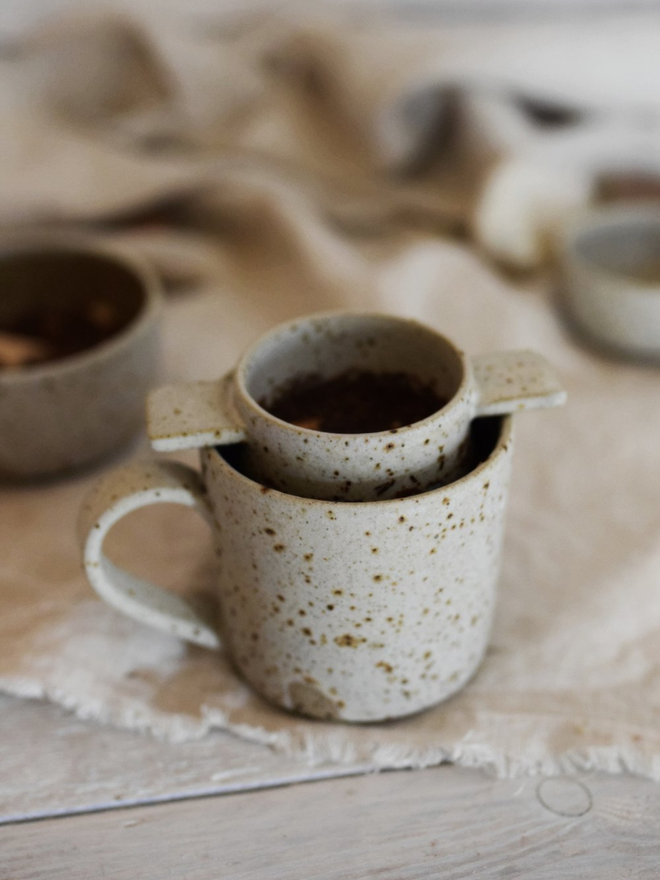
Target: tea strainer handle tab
(511, 381)
(191, 415)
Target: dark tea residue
(52, 333)
(355, 402)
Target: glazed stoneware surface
(610, 260)
(61, 415)
(350, 611)
(351, 467)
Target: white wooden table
(80, 801)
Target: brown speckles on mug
(348, 640)
(365, 615)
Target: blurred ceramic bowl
(610, 262)
(63, 411)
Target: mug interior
(68, 282)
(628, 248)
(487, 436)
(328, 346)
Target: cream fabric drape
(352, 165)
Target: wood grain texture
(443, 822)
(51, 763)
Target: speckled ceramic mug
(340, 466)
(61, 414)
(352, 611)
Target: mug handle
(510, 381)
(190, 415)
(127, 489)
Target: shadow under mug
(349, 611)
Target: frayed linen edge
(327, 746)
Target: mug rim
(500, 448)
(97, 248)
(240, 378)
(596, 220)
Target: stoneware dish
(340, 466)
(65, 413)
(348, 611)
(610, 263)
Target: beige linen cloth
(353, 165)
